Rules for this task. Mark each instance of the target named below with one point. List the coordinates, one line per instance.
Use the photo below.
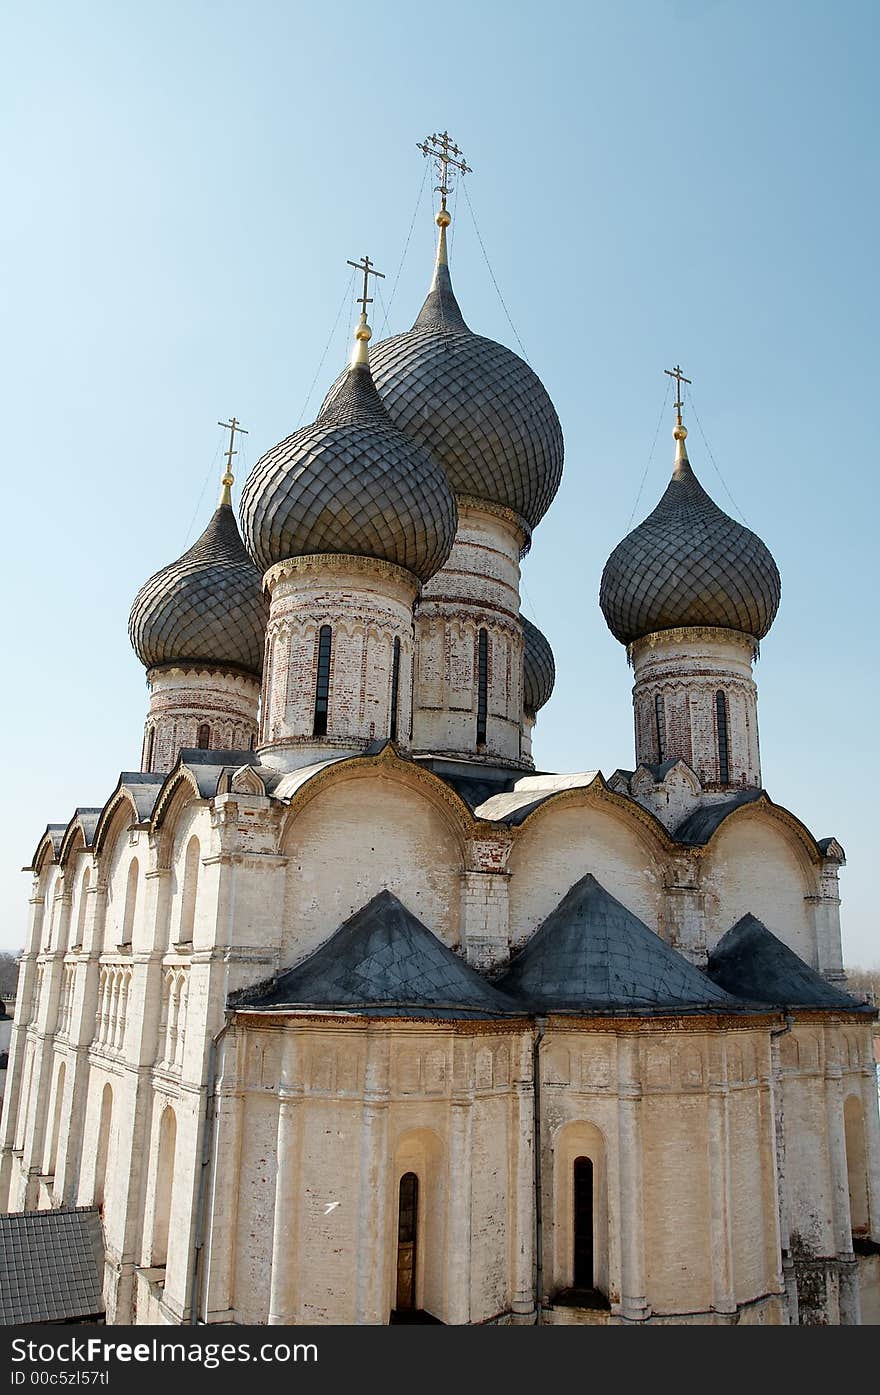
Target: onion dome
(207, 607)
(478, 408)
(539, 669)
(351, 483)
(689, 564)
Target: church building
(342, 1012)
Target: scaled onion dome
(689, 564)
(208, 607)
(351, 483)
(539, 669)
(476, 406)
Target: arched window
(856, 1164)
(395, 688)
(322, 683)
(482, 685)
(131, 890)
(164, 1188)
(723, 740)
(190, 890)
(583, 1223)
(660, 723)
(407, 1234)
(203, 739)
(103, 1151)
(148, 749)
(81, 908)
(52, 1154)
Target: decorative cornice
(338, 561)
(470, 501)
(701, 633)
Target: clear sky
(654, 181)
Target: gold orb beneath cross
(444, 218)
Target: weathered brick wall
(685, 669)
(367, 604)
(183, 699)
(478, 588)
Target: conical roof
(384, 962)
(351, 483)
(752, 962)
(474, 404)
(539, 668)
(593, 955)
(689, 564)
(207, 607)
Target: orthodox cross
(679, 377)
(228, 479)
(368, 268)
(445, 154)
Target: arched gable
(118, 814)
(759, 862)
(578, 831)
(377, 826)
(178, 794)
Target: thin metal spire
(228, 479)
(446, 156)
(679, 433)
(363, 333)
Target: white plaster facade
(734, 1159)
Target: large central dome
(476, 406)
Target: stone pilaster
(633, 1301)
(285, 1225)
(372, 1259)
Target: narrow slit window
(203, 740)
(148, 754)
(395, 689)
(723, 742)
(660, 723)
(482, 685)
(583, 1223)
(407, 1232)
(322, 685)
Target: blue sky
(654, 181)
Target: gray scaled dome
(207, 607)
(351, 483)
(539, 669)
(689, 564)
(478, 408)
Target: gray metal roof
(350, 483)
(384, 962)
(207, 607)
(752, 962)
(479, 409)
(51, 1266)
(699, 826)
(539, 668)
(593, 955)
(689, 564)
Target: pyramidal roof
(754, 963)
(592, 954)
(384, 962)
